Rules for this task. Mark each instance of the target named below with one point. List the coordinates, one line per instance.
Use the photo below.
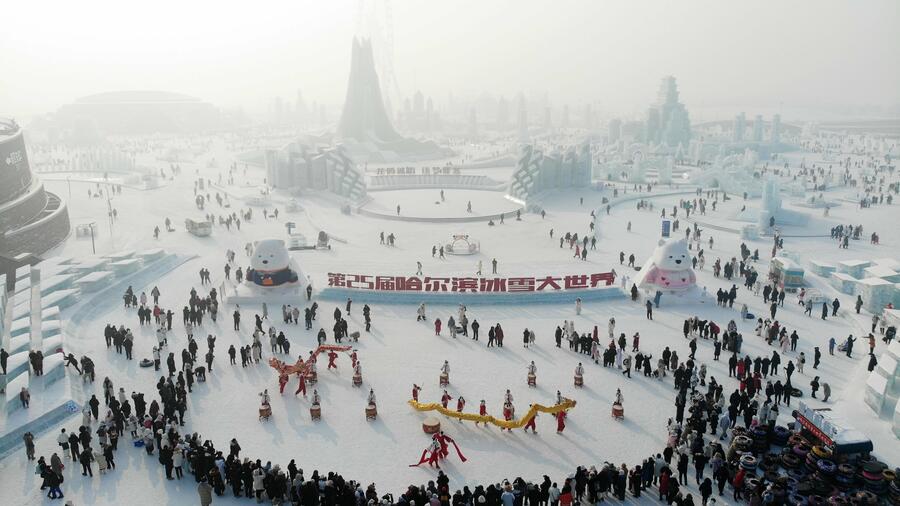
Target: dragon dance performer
(438, 449)
(415, 392)
(482, 410)
(332, 356)
(445, 399)
(301, 388)
(282, 381)
(531, 423)
(560, 422)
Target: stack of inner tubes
(748, 463)
(788, 460)
(796, 499)
(894, 488)
(739, 445)
(770, 463)
(817, 453)
(873, 477)
(780, 435)
(863, 497)
(815, 500)
(760, 435)
(845, 477)
(838, 500)
(826, 470)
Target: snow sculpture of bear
(668, 269)
(271, 264)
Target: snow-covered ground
(400, 352)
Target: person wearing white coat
(258, 487)
(177, 462)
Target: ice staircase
(84, 286)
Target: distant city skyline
(609, 55)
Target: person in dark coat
(85, 459)
(95, 406)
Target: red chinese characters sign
(470, 284)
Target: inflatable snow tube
(748, 462)
(838, 500)
(846, 470)
(815, 500)
(872, 476)
(790, 461)
(889, 475)
(826, 466)
(751, 483)
(796, 500)
(874, 466)
(798, 474)
(796, 439)
(821, 452)
(801, 451)
(863, 497)
(741, 443)
(791, 483)
(780, 435)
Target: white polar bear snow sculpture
(668, 269)
(271, 265)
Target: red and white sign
(470, 284)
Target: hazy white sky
(801, 53)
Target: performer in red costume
(332, 356)
(415, 392)
(508, 411)
(438, 449)
(482, 410)
(560, 422)
(460, 405)
(301, 388)
(445, 399)
(531, 423)
(282, 381)
(353, 359)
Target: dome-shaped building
(32, 220)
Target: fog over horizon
(806, 59)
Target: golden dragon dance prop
(566, 405)
(302, 366)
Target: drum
(431, 425)
(445, 379)
(371, 412)
(579, 380)
(357, 380)
(312, 377)
(618, 412)
(532, 380)
(315, 412)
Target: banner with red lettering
(470, 284)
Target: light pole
(93, 246)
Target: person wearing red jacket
(437, 326)
(445, 399)
(282, 381)
(738, 483)
(460, 405)
(482, 410)
(301, 388)
(415, 392)
(332, 356)
(531, 423)
(560, 422)
(508, 412)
